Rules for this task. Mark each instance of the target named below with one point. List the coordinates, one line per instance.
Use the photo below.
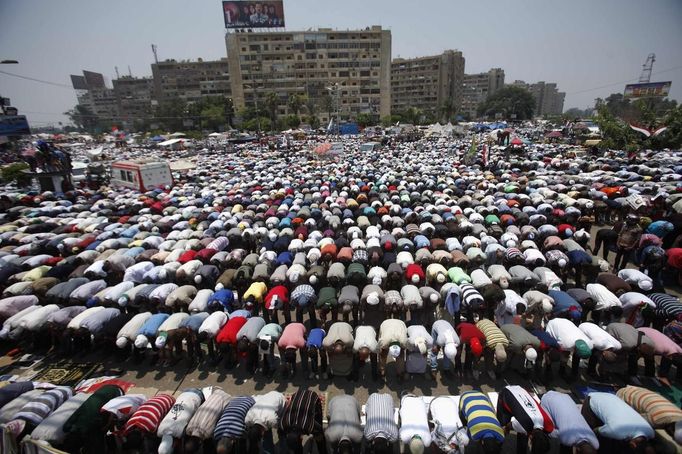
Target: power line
(33, 79)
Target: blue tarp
(158, 139)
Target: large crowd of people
(416, 259)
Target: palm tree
(271, 105)
(295, 102)
(447, 110)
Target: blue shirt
(151, 326)
(240, 313)
(225, 297)
(315, 338)
(571, 427)
(660, 228)
(194, 321)
(621, 421)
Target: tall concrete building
(548, 99)
(190, 80)
(476, 88)
(427, 83)
(93, 94)
(353, 65)
(134, 97)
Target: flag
(644, 131)
(469, 158)
(484, 154)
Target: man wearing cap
(472, 341)
(445, 337)
(188, 331)
(523, 343)
(570, 339)
(208, 331)
(518, 410)
(392, 341)
(338, 343)
(267, 339)
(496, 344)
(419, 342)
(414, 428)
(168, 338)
(199, 430)
(172, 426)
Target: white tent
(171, 142)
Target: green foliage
(252, 124)
(292, 121)
(271, 105)
(365, 119)
(169, 114)
(615, 133)
(411, 115)
(448, 111)
(328, 104)
(388, 121)
(313, 121)
(296, 102)
(85, 119)
(509, 101)
(13, 173)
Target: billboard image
(253, 14)
(78, 82)
(93, 80)
(647, 90)
(15, 125)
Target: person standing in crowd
(518, 410)
(628, 238)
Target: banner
(253, 14)
(14, 125)
(647, 90)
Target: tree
(313, 121)
(574, 112)
(447, 110)
(615, 133)
(271, 106)
(310, 106)
(365, 119)
(170, 114)
(511, 102)
(411, 115)
(229, 111)
(296, 102)
(328, 104)
(293, 121)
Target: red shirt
(228, 334)
(280, 292)
(205, 255)
(675, 257)
(187, 256)
(467, 331)
(413, 269)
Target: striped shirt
(41, 407)
(493, 334)
(471, 298)
(204, 420)
(380, 422)
(478, 414)
(303, 295)
(303, 412)
(667, 306)
(657, 410)
(149, 415)
(232, 422)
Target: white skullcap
(394, 350)
(450, 351)
(415, 279)
(122, 342)
(531, 355)
(546, 306)
(141, 341)
(646, 285)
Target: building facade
(476, 88)
(548, 99)
(340, 72)
(190, 80)
(93, 94)
(134, 97)
(428, 83)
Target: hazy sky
(589, 47)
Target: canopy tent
(182, 165)
(178, 134)
(554, 135)
(94, 153)
(171, 142)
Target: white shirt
(130, 329)
(600, 338)
(365, 336)
(75, 322)
(173, 321)
(634, 277)
(265, 412)
(213, 323)
(602, 296)
(414, 420)
(200, 301)
(566, 333)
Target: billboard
(93, 80)
(78, 82)
(647, 90)
(253, 14)
(14, 125)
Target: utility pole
(116, 69)
(156, 57)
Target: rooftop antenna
(130, 73)
(647, 67)
(156, 57)
(116, 69)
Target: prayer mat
(65, 373)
